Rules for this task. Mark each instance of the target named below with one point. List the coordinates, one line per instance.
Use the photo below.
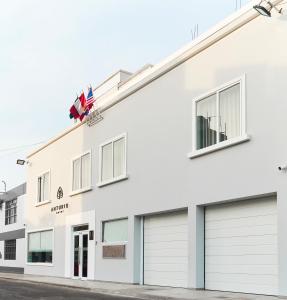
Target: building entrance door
(80, 254)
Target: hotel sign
(59, 208)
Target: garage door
(165, 250)
(241, 247)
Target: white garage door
(165, 249)
(241, 247)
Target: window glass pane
(46, 187)
(115, 231)
(10, 249)
(10, 211)
(86, 170)
(34, 241)
(76, 174)
(46, 240)
(40, 189)
(229, 116)
(119, 157)
(206, 122)
(107, 162)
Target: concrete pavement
(134, 291)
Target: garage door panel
(158, 221)
(163, 260)
(164, 245)
(241, 231)
(166, 229)
(241, 252)
(242, 269)
(265, 239)
(157, 267)
(246, 259)
(241, 210)
(154, 237)
(165, 249)
(175, 252)
(269, 219)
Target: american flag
(90, 97)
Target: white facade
(12, 229)
(146, 190)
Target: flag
(76, 109)
(89, 102)
(90, 97)
(83, 101)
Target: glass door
(80, 254)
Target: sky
(51, 50)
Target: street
(23, 290)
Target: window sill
(124, 243)
(81, 191)
(40, 264)
(107, 182)
(42, 203)
(218, 146)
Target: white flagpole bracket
(94, 117)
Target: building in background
(12, 230)
(178, 184)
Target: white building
(12, 230)
(178, 185)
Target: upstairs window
(113, 159)
(218, 117)
(82, 172)
(44, 188)
(11, 212)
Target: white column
(196, 247)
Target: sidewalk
(136, 291)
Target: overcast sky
(52, 49)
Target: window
(82, 172)
(10, 250)
(115, 231)
(44, 188)
(219, 117)
(40, 245)
(11, 212)
(113, 160)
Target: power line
(21, 147)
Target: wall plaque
(114, 251)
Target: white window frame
(116, 243)
(233, 141)
(49, 200)
(53, 247)
(88, 188)
(118, 178)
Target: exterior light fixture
(264, 11)
(21, 162)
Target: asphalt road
(24, 290)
